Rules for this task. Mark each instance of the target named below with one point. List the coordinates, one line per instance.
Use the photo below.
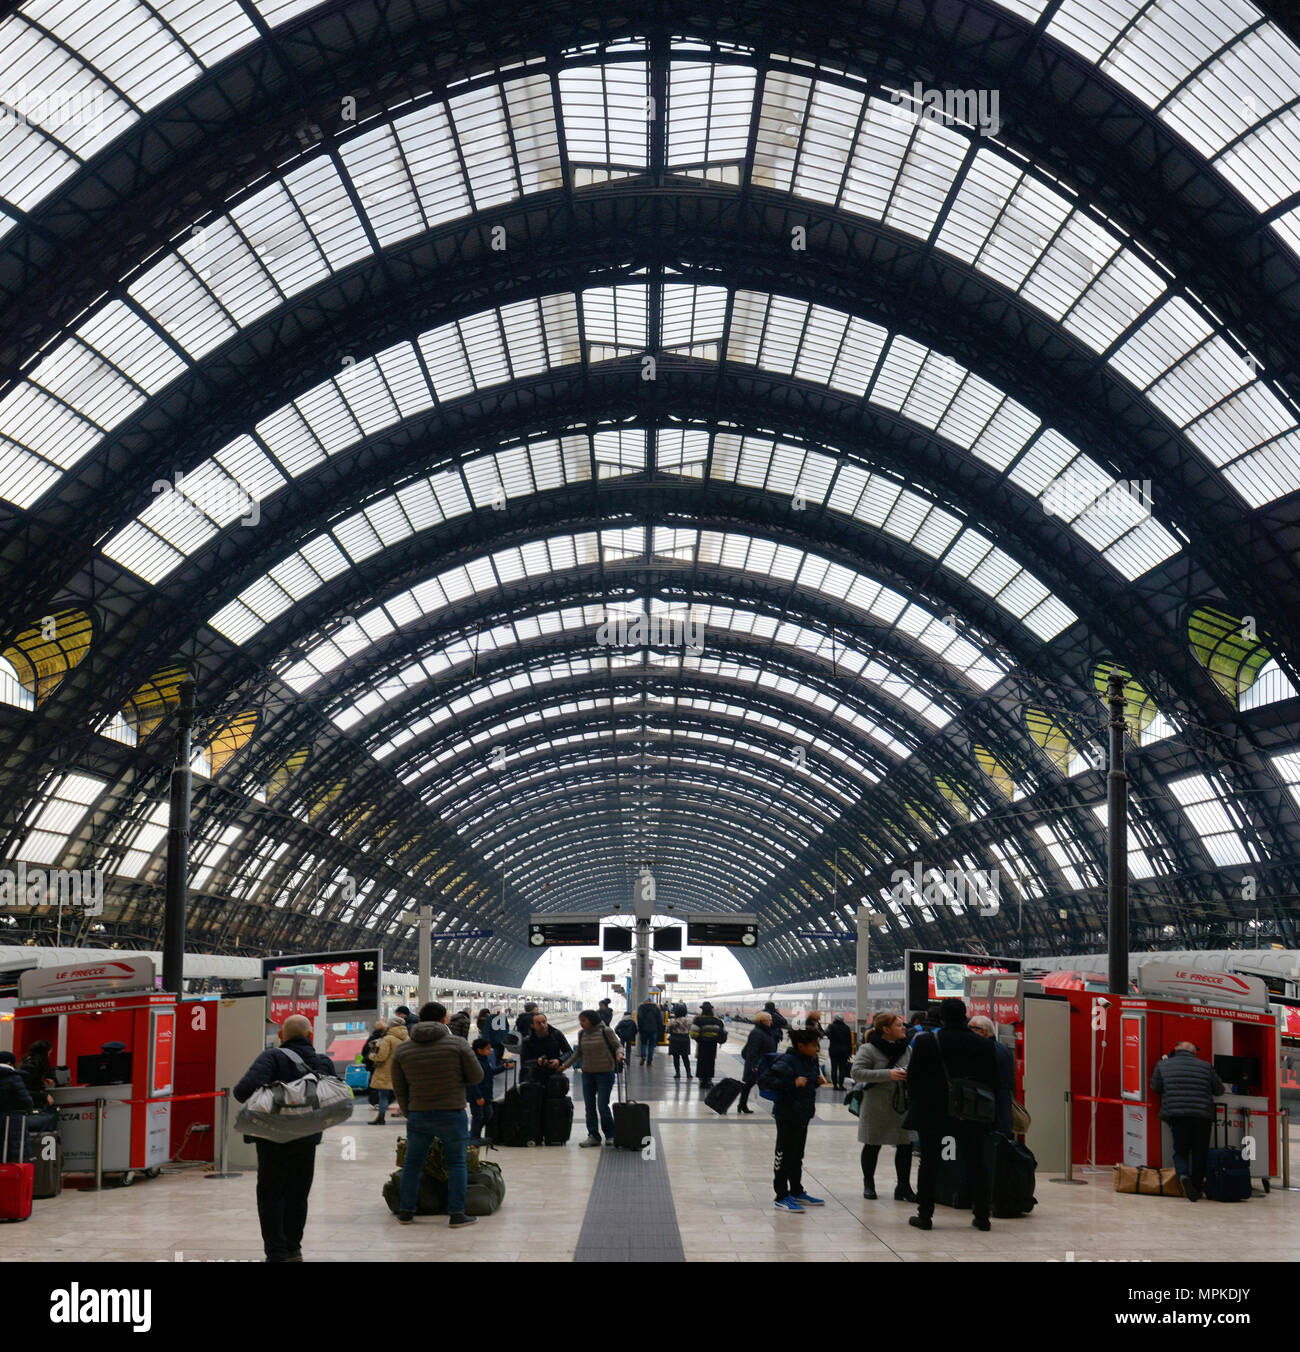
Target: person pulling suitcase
(1187, 1087)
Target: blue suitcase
(1227, 1175)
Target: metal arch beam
(1063, 115)
(1041, 362)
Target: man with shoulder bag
(285, 1167)
(952, 1082)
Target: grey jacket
(431, 1071)
(878, 1123)
(1187, 1086)
(599, 1049)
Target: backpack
(761, 1065)
(288, 1110)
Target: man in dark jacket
(794, 1079)
(1187, 1087)
(544, 1048)
(431, 1071)
(708, 1032)
(839, 1047)
(524, 1023)
(983, 1025)
(606, 1012)
(285, 1169)
(403, 1012)
(951, 1052)
(779, 1022)
(649, 1029)
(761, 1042)
(626, 1034)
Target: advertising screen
(351, 980)
(942, 976)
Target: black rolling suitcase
(1227, 1175)
(723, 1095)
(517, 1118)
(557, 1120)
(1012, 1169)
(631, 1122)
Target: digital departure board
(564, 933)
(728, 934)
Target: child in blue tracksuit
(793, 1078)
(479, 1096)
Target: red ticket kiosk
(116, 1036)
(1115, 1045)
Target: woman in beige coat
(381, 1077)
(881, 1065)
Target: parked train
(1280, 968)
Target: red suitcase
(17, 1182)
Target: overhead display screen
(564, 933)
(590, 964)
(692, 964)
(351, 980)
(668, 939)
(728, 934)
(942, 976)
(617, 939)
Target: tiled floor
(718, 1170)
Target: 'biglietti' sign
(86, 978)
(1168, 978)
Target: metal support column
(1117, 843)
(178, 848)
(863, 971)
(426, 957)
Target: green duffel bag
(432, 1200)
(486, 1191)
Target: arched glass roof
(560, 446)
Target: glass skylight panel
(211, 29)
(1166, 42)
(606, 114)
(176, 299)
(782, 114)
(84, 381)
(928, 171)
(63, 802)
(1018, 868)
(1287, 766)
(709, 112)
(1204, 801)
(379, 174)
(1091, 26)
(1125, 289)
(125, 341)
(828, 136)
(481, 129)
(145, 842)
(1056, 845)
(1139, 862)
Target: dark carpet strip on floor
(630, 1212)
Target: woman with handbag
(881, 1068)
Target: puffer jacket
(709, 1028)
(381, 1068)
(626, 1029)
(1187, 1086)
(432, 1070)
(599, 1050)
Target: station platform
(705, 1196)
